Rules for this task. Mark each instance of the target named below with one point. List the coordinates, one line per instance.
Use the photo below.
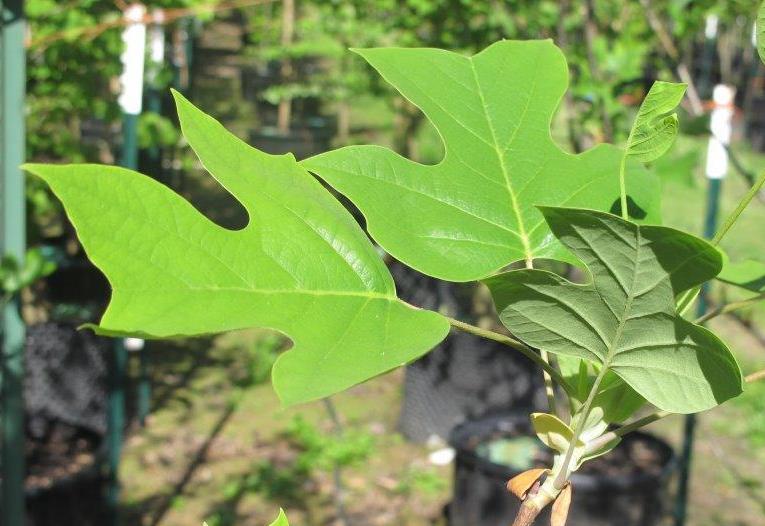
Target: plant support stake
(12, 242)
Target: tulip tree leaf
(655, 128)
(473, 213)
(301, 266)
(760, 30)
(625, 320)
(748, 274)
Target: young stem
(562, 477)
(549, 385)
(527, 351)
(731, 219)
(687, 298)
(623, 186)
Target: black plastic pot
(618, 489)
(464, 377)
(65, 405)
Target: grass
(217, 446)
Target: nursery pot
(623, 488)
(65, 406)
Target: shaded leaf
(749, 275)
(301, 266)
(625, 319)
(655, 128)
(473, 213)
(552, 431)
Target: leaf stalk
(519, 346)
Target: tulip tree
(504, 196)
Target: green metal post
(116, 425)
(689, 429)
(12, 242)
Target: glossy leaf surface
(656, 125)
(301, 266)
(625, 319)
(474, 212)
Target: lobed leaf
(655, 128)
(473, 213)
(301, 266)
(625, 319)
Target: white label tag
(131, 80)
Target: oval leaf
(472, 213)
(654, 130)
(301, 266)
(625, 319)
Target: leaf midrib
(528, 255)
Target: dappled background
(173, 433)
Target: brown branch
(526, 514)
(169, 15)
(755, 376)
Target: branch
(524, 349)
(729, 307)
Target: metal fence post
(12, 242)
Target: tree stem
(562, 477)
(526, 514)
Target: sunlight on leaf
(473, 213)
(301, 266)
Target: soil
(63, 453)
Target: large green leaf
(625, 320)
(473, 213)
(655, 127)
(748, 274)
(301, 266)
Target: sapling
(504, 193)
